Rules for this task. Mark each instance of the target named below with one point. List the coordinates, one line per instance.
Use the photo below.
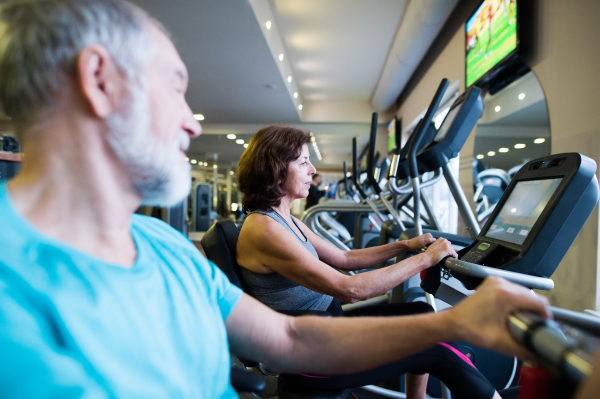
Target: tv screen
(491, 37)
(522, 209)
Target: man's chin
(171, 193)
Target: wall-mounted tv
(394, 129)
(493, 37)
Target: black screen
(522, 209)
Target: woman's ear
(99, 79)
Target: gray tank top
(276, 291)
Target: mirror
(514, 129)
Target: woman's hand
(414, 244)
(440, 249)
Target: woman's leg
(416, 384)
(461, 377)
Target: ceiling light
(246, 145)
(480, 156)
(300, 107)
(193, 161)
(281, 57)
(296, 95)
(491, 153)
(268, 24)
(239, 141)
(519, 146)
(231, 136)
(497, 109)
(503, 149)
(539, 141)
(289, 79)
(199, 117)
(231, 172)
(215, 166)
(187, 159)
(205, 163)
(521, 96)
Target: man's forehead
(166, 53)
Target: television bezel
(508, 58)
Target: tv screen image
(491, 35)
(391, 147)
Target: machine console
(453, 132)
(540, 214)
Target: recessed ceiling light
(521, 96)
(198, 117)
(231, 172)
(539, 141)
(205, 163)
(503, 149)
(497, 109)
(246, 145)
(281, 57)
(519, 146)
(289, 79)
(193, 161)
(491, 153)
(231, 136)
(215, 166)
(296, 95)
(480, 156)
(187, 159)
(300, 107)
(239, 141)
(268, 24)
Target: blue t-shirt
(74, 326)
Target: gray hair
(40, 41)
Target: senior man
(98, 302)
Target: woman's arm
(359, 259)
(264, 246)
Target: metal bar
(583, 321)
(433, 222)
(463, 205)
(471, 269)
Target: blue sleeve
(228, 294)
(34, 363)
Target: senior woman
(288, 267)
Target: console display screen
(522, 209)
(447, 123)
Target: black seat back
(219, 244)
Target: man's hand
(414, 244)
(440, 249)
(482, 318)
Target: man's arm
(332, 346)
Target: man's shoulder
(155, 230)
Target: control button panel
(479, 253)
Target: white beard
(156, 173)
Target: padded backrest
(219, 244)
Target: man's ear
(99, 79)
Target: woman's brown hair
(263, 167)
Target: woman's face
(299, 176)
